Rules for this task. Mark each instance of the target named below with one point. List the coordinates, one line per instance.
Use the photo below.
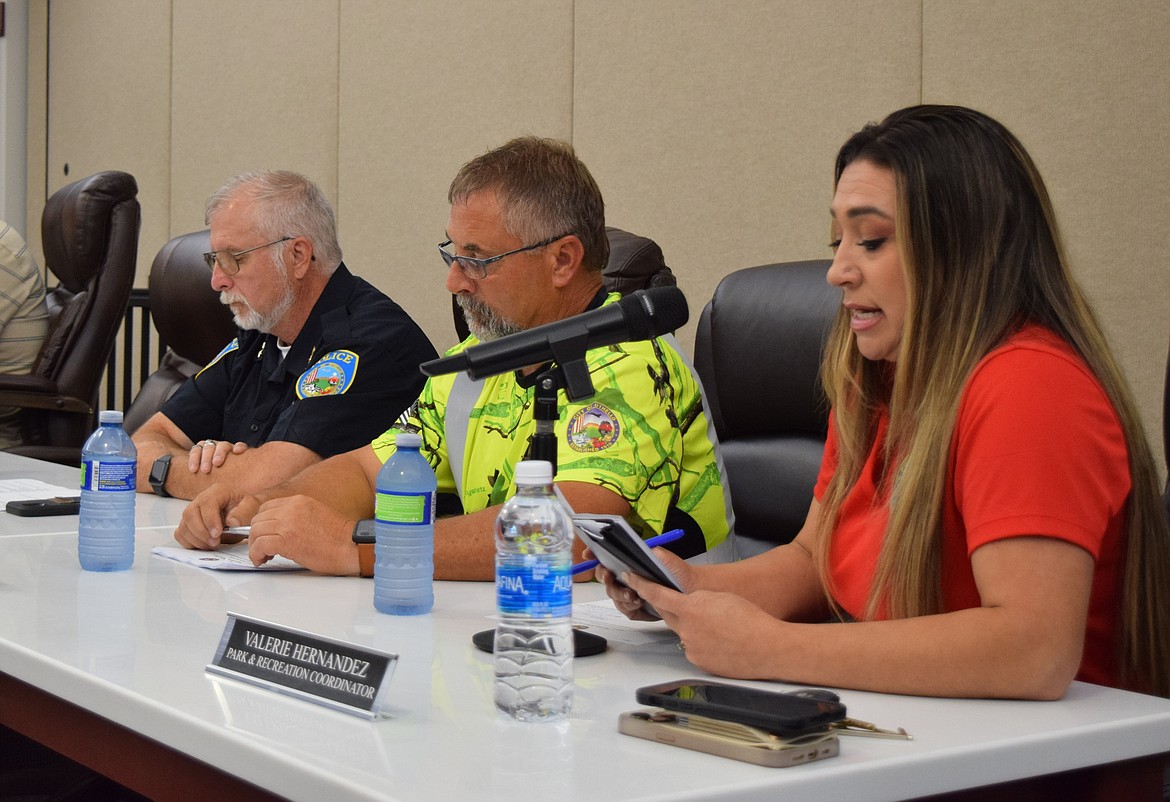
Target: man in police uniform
(525, 246)
(322, 363)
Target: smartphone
(784, 714)
(36, 507)
(619, 548)
(697, 734)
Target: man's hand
(204, 518)
(208, 454)
(306, 531)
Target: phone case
(619, 548)
(784, 714)
(728, 740)
(36, 508)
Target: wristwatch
(158, 475)
(363, 536)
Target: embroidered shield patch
(593, 428)
(332, 374)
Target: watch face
(158, 474)
(364, 531)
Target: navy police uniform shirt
(351, 371)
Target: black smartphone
(619, 548)
(36, 507)
(785, 714)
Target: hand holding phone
(620, 549)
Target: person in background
(986, 522)
(323, 360)
(525, 246)
(24, 319)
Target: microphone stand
(574, 377)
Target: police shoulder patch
(332, 374)
(593, 428)
(234, 345)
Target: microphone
(641, 315)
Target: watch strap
(363, 536)
(365, 559)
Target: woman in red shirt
(987, 520)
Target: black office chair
(758, 351)
(635, 263)
(89, 232)
(189, 318)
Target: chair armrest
(39, 393)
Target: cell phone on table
(783, 714)
(37, 507)
(727, 739)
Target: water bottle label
(534, 587)
(116, 477)
(405, 508)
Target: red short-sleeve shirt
(1037, 450)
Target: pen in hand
(659, 540)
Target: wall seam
(922, 51)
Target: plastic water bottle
(534, 589)
(404, 531)
(105, 533)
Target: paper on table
(602, 618)
(225, 558)
(24, 489)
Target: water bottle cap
(533, 472)
(110, 416)
(408, 440)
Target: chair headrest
(635, 263)
(75, 225)
(185, 309)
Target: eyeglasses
(478, 268)
(229, 262)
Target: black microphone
(641, 315)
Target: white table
(131, 648)
(150, 511)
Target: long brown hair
(982, 256)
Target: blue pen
(658, 540)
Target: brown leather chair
(89, 232)
(635, 263)
(758, 351)
(190, 320)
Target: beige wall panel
(37, 140)
(1084, 86)
(109, 81)
(424, 88)
(712, 127)
(255, 88)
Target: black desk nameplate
(317, 669)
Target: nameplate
(317, 669)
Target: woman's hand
(627, 600)
(721, 633)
